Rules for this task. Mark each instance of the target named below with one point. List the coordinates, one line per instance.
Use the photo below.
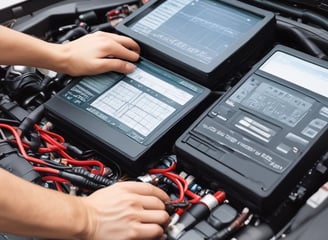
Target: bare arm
(29, 209)
(126, 210)
(91, 54)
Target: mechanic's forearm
(17, 48)
(31, 210)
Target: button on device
(297, 139)
(283, 148)
(309, 132)
(215, 154)
(222, 112)
(203, 148)
(192, 142)
(318, 123)
(255, 128)
(324, 112)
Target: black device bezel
(133, 156)
(240, 187)
(206, 74)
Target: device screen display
(136, 103)
(199, 29)
(300, 72)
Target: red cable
(179, 181)
(20, 145)
(180, 187)
(48, 137)
(49, 133)
(46, 169)
(56, 180)
(194, 198)
(183, 181)
(58, 187)
(161, 170)
(70, 160)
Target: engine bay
(233, 127)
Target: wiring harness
(48, 154)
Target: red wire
(21, 146)
(46, 169)
(194, 198)
(56, 180)
(183, 181)
(179, 181)
(181, 184)
(180, 187)
(58, 186)
(161, 170)
(48, 149)
(41, 149)
(51, 138)
(49, 133)
(54, 142)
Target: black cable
(34, 117)
(9, 121)
(312, 224)
(117, 173)
(12, 108)
(23, 85)
(105, 27)
(290, 11)
(227, 232)
(80, 180)
(52, 164)
(92, 177)
(73, 34)
(300, 36)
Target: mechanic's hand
(100, 52)
(127, 210)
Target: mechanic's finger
(155, 216)
(152, 202)
(127, 42)
(121, 52)
(112, 65)
(146, 189)
(149, 231)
